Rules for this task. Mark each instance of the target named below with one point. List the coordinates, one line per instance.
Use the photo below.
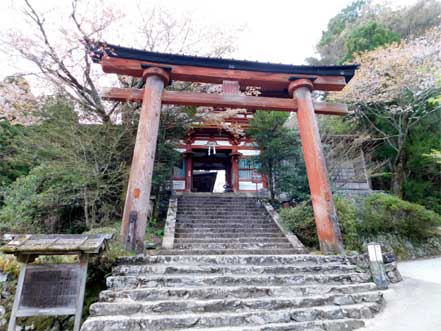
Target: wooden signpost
(256, 178)
(52, 289)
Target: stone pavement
(415, 303)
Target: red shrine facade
(215, 160)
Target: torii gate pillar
(325, 214)
(137, 204)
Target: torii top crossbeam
(283, 87)
(272, 78)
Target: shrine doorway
(211, 170)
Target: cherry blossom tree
(53, 41)
(393, 91)
(17, 103)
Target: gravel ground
(415, 303)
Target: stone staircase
(233, 269)
(227, 224)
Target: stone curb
(292, 238)
(170, 224)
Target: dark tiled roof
(97, 50)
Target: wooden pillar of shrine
(235, 170)
(228, 171)
(137, 204)
(188, 170)
(325, 214)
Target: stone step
(215, 234)
(226, 207)
(218, 200)
(235, 260)
(230, 230)
(221, 197)
(244, 223)
(143, 322)
(223, 207)
(226, 210)
(226, 224)
(176, 268)
(230, 305)
(232, 292)
(223, 216)
(345, 324)
(237, 227)
(231, 240)
(221, 213)
(230, 235)
(263, 251)
(202, 216)
(121, 282)
(225, 221)
(219, 204)
(256, 245)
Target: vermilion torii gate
(283, 88)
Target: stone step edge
(214, 227)
(274, 305)
(222, 246)
(297, 326)
(240, 266)
(158, 317)
(227, 272)
(230, 240)
(343, 324)
(257, 252)
(365, 287)
(227, 301)
(126, 282)
(233, 235)
(293, 258)
(220, 232)
(211, 276)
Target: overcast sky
(275, 31)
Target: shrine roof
(49, 244)
(100, 49)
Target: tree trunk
(271, 182)
(398, 175)
(398, 171)
(86, 208)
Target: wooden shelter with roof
(282, 88)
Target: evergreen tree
(281, 158)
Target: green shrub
(21, 205)
(347, 218)
(9, 169)
(45, 200)
(9, 264)
(300, 220)
(100, 267)
(388, 214)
